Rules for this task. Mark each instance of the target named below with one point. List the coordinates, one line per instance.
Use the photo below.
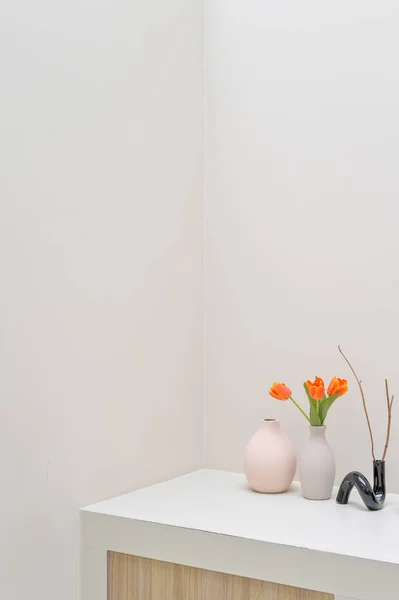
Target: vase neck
(379, 478)
(271, 424)
(318, 432)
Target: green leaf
(325, 406)
(314, 416)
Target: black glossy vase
(373, 497)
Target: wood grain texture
(136, 578)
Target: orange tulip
(316, 388)
(280, 391)
(337, 386)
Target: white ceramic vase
(270, 461)
(317, 466)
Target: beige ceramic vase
(317, 466)
(270, 462)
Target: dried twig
(389, 406)
(387, 393)
(359, 383)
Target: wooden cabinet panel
(135, 578)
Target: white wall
(301, 209)
(101, 244)
(100, 267)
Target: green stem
(299, 408)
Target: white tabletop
(281, 528)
